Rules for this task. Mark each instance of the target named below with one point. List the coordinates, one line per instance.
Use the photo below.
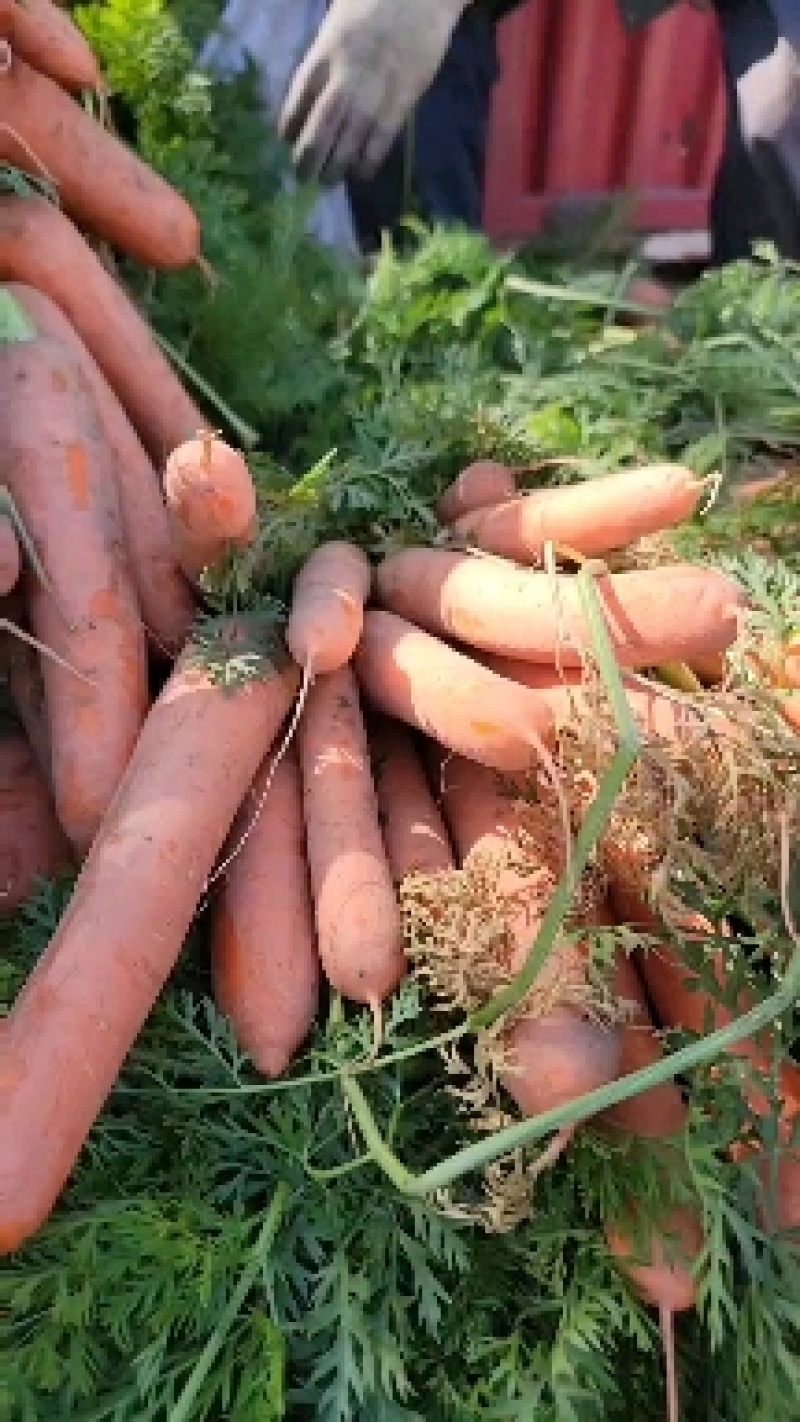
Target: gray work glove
(361, 78)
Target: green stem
(576, 296)
(594, 822)
(183, 1411)
(524, 1133)
(245, 433)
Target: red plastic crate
(585, 111)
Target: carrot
(562, 1054)
(645, 291)
(67, 1035)
(420, 680)
(413, 829)
(265, 962)
(655, 714)
(20, 665)
(48, 40)
(356, 910)
(592, 518)
(40, 247)
(211, 502)
(477, 487)
(32, 844)
(59, 470)
(164, 597)
(10, 556)
(101, 183)
(661, 615)
(327, 614)
(660, 1111)
(665, 1280)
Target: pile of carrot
(369, 747)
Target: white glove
(361, 78)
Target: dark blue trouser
(436, 168)
(757, 192)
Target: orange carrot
(593, 518)
(655, 713)
(164, 597)
(562, 1054)
(47, 39)
(661, 1110)
(40, 247)
(477, 487)
(265, 961)
(20, 665)
(101, 183)
(60, 473)
(357, 914)
(211, 502)
(32, 844)
(327, 614)
(67, 1035)
(413, 829)
(420, 680)
(10, 556)
(660, 615)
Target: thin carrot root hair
(15, 630)
(666, 1319)
(11, 512)
(6, 61)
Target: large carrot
(327, 613)
(32, 843)
(67, 1035)
(660, 615)
(357, 914)
(265, 961)
(101, 183)
(660, 1111)
(59, 469)
(464, 706)
(592, 518)
(40, 247)
(563, 1053)
(164, 597)
(479, 486)
(211, 502)
(41, 34)
(413, 829)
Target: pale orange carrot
(356, 909)
(41, 34)
(327, 613)
(479, 486)
(32, 843)
(592, 518)
(10, 556)
(660, 615)
(265, 961)
(413, 829)
(211, 501)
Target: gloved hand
(368, 66)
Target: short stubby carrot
(419, 679)
(32, 843)
(414, 832)
(101, 183)
(66, 1037)
(41, 248)
(593, 518)
(355, 905)
(164, 596)
(60, 471)
(264, 956)
(327, 612)
(658, 615)
(479, 486)
(211, 501)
